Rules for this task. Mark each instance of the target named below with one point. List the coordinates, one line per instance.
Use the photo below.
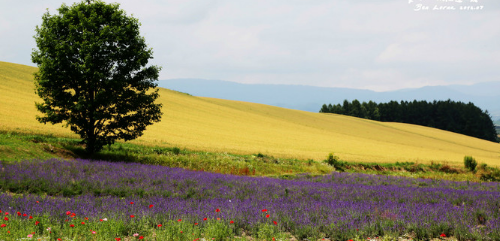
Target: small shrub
(176, 150)
(470, 163)
(332, 160)
(335, 162)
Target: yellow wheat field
(210, 124)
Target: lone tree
(92, 73)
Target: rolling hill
(211, 124)
(311, 98)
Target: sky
(379, 45)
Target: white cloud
(379, 45)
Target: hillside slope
(311, 98)
(240, 127)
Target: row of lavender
(332, 204)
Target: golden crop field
(217, 125)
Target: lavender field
(339, 206)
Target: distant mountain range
(311, 98)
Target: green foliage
(470, 163)
(176, 150)
(334, 161)
(493, 175)
(52, 228)
(459, 117)
(17, 146)
(92, 73)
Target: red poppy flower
(267, 216)
(132, 216)
(36, 223)
(37, 201)
(59, 239)
(3, 225)
(24, 214)
(6, 213)
(275, 239)
(205, 219)
(83, 223)
(6, 219)
(443, 235)
(264, 210)
(86, 218)
(195, 223)
(118, 239)
(181, 232)
(141, 237)
(178, 220)
(159, 225)
(73, 214)
(151, 205)
(275, 223)
(30, 217)
(131, 202)
(101, 220)
(231, 221)
(18, 214)
(217, 210)
(68, 213)
(72, 225)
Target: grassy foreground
(16, 147)
(214, 125)
(96, 200)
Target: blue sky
(367, 44)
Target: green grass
(19, 146)
(14, 148)
(81, 228)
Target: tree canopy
(92, 73)
(447, 115)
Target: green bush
(470, 163)
(176, 150)
(334, 161)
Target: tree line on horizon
(458, 117)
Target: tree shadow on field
(112, 156)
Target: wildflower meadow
(96, 200)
